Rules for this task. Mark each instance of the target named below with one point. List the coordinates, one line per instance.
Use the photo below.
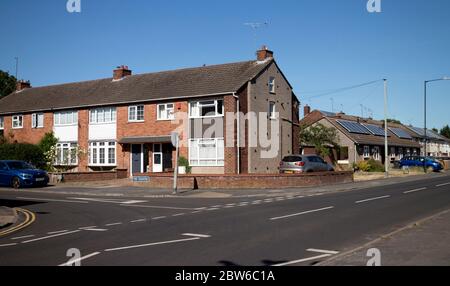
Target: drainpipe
(238, 134)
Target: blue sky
(321, 45)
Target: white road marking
(175, 215)
(138, 220)
(56, 232)
(111, 201)
(302, 260)
(113, 224)
(442, 185)
(158, 218)
(302, 213)
(86, 227)
(22, 237)
(331, 252)
(415, 191)
(219, 206)
(161, 207)
(152, 244)
(231, 205)
(228, 207)
(51, 200)
(6, 245)
(196, 212)
(95, 229)
(372, 199)
(71, 262)
(51, 236)
(196, 235)
(212, 209)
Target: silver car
(304, 164)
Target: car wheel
(16, 183)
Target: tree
(7, 83)
(435, 130)
(319, 136)
(48, 148)
(446, 131)
(390, 120)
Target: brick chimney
(22, 84)
(264, 53)
(307, 110)
(121, 72)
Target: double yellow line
(29, 219)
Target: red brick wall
(230, 105)
(83, 139)
(27, 134)
(243, 102)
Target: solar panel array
(421, 132)
(354, 127)
(400, 133)
(375, 130)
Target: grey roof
(420, 132)
(183, 83)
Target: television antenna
(256, 26)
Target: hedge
(23, 152)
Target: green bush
(183, 162)
(370, 166)
(23, 152)
(363, 166)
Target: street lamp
(425, 116)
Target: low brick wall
(88, 176)
(276, 181)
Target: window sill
(102, 123)
(102, 166)
(170, 119)
(136, 121)
(16, 128)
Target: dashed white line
(71, 262)
(6, 245)
(113, 224)
(196, 235)
(159, 217)
(22, 237)
(372, 199)
(51, 236)
(302, 260)
(442, 185)
(152, 244)
(138, 220)
(196, 212)
(87, 227)
(415, 191)
(57, 232)
(302, 213)
(95, 229)
(212, 209)
(323, 251)
(182, 214)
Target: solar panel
(354, 127)
(375, 130)
(421, 132)
(400, 133)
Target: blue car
(18, 174)
(417, 161)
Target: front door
(136, 159)
(157, 158)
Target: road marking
(415, 191)
(219, 206)
(56, 232)
(372, 199)
(71, 262)
(175, 215)
(331, 252)
(51, 236)
(51, 200)
(228, 207)
(212, 209)
(152, 244)
(158, 218)
(22, 237)
(196, 235)
(302, 213)
(30, 217)
(86, 227)
(111, 201)
(196, 212)
(442, 185)
(232, 205)
(161, 207)
(113, 224)
(138, 220)
(95, 229)
(6, 245)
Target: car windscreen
(292, 159)
(20, 166)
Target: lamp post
(386, 145)
(425, 117)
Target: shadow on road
(17, 203)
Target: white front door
(157, 158)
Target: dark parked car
(19, 174)
(417, 161)
(304, 164)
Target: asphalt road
(286, 230)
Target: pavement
(8, 216)
(292, 228)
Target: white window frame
(376, 153)
(272, 110)
(366, 151)
(167, 114)
(136, 108)
(95, 147)
(72, 115)
(17, 119)
(196, 162)
(2, 123)
(198, 105)
(272, 84)
(37, 120)
(72, 148)
(95, 114)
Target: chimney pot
(264, 53)
(22, 84)
(121, 72)
(307, 110)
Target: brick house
(361, 138)
(125, 122)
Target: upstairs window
(102, 115)
(272, 110)
(2, 123)
(66, 118)
(17, 122)
(272, 84)
(37, 120)
(136, 113)
(207, 108)
(166, 112)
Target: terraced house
(125, 122)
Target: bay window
(166, 112)
(207, 152)
(102, 115)
(102, 154)
(207, 108)
(17, 121)
(66, 118)
(66, 154)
